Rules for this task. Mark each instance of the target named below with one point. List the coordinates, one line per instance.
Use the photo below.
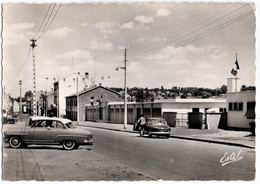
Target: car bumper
(87, 142)
(160, 133)
(5, 140)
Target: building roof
(91, 89)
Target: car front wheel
(68, 144)
(15, 142)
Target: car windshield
(70, 125)
(157, 122)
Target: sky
(167, 44)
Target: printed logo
(233, 157)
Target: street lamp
(125, 102)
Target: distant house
(92, 102)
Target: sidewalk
(228, 137)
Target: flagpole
(236, 75)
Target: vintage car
(47, 131)
(155, 126)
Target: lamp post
(125, 101)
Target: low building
(95, 99)
(241, 109)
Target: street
(126, 156)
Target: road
(126, 156)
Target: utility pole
(125, 101)
(20, 105)
(46, 98)
(78, 97)
(34, 76)
(125, 117)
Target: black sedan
(155, 126)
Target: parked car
(47, 131)
(155, 126)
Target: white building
(241, 109)
(66, 86)
(240, 105)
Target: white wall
(237, 118)
(68, 86)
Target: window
(59, 125)
(240, 106)
(235, 106)
(250, 113)
(195, 110)
(230, 106)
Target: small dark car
(155, 126)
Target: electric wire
(19, 71)
(53, 18)
(164, 44)
(43, 20)
(208, 32)
(45, 25)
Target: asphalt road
(121, 156)
(174, 159)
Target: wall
(99, 93)
(237, 118)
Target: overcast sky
(184, 45)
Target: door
(41, 131)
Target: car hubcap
(15, 142)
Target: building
(240, 109)
(240, 106)
(66, 86)
(96, 99)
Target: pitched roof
(91, 89)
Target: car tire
(141, 133)
(68, 144)
(15, 142)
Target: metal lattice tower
(34, 76)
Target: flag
(234, 72)
(237, 65)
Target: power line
(186, 34)
(217, 28)
(180, 28)
(43, 20)
(25, 61)
(53, 18)
(46, 23)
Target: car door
(59, 131)
(41, 132)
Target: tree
(28, 95)
(223, 89)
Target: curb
(178, 137)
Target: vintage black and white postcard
(129, 91)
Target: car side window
(49, 123)
(39, 124)
(59, 125)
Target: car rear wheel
(68, 144)
(15, 142)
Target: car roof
(153, 118)
(33, 118)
